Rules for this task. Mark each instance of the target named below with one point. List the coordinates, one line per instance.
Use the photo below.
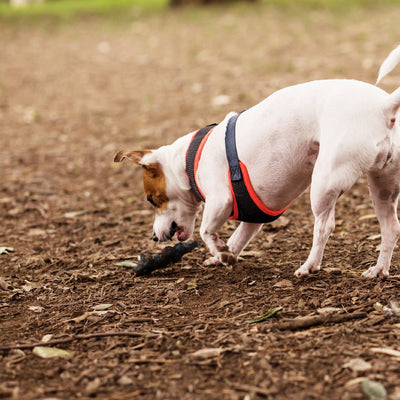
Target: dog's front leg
(216, 212)
(242, 236)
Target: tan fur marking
(155, 185)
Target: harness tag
(236, 173)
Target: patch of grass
(67, 9)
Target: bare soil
(71, 95)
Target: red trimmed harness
(247, 206)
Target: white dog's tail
(388, 65)
(393, 104)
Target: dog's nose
(154, 237)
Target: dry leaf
(46, 338)
(284, 284)
(355, 381)
(101, 307)
(50, 352)
(126, 264)
(358, 365)
(203, 354)
(367, 216)
(328, 310)
(374, 237)
(27, 287)
(36, 309)
(374, 390)
(73, 214)
(80, 318)
(36, 232)
(191, 285)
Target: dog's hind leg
(384, 190)
(242, 236)
(327, 185)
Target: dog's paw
(374, 272)
(223, 258)
(306, 269)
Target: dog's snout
(154, 237)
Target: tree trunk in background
(182, 2)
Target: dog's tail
(388, 65)
(392, 105)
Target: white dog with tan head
(253, 165)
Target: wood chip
(386, 350)
(204, 354)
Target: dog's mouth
(175, 229)
(178, 231)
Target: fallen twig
(36, 190)
(251, 388)
(76, 337)
(309, 321)
(150, 361)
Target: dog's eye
(149, 198)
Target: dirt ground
(71, 95)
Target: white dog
(325, 133)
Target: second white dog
(325, 133)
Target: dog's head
(175, 205)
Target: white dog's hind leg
(323, 226)
(384, 192)
(326, 187)
(242, 236)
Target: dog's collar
(193, 154)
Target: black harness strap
(191, 155)
(248, 211)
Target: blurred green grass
(68, 9)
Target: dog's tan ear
(133, 155)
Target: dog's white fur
(325, 133)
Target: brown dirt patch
(70, 96)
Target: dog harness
(247, 206)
